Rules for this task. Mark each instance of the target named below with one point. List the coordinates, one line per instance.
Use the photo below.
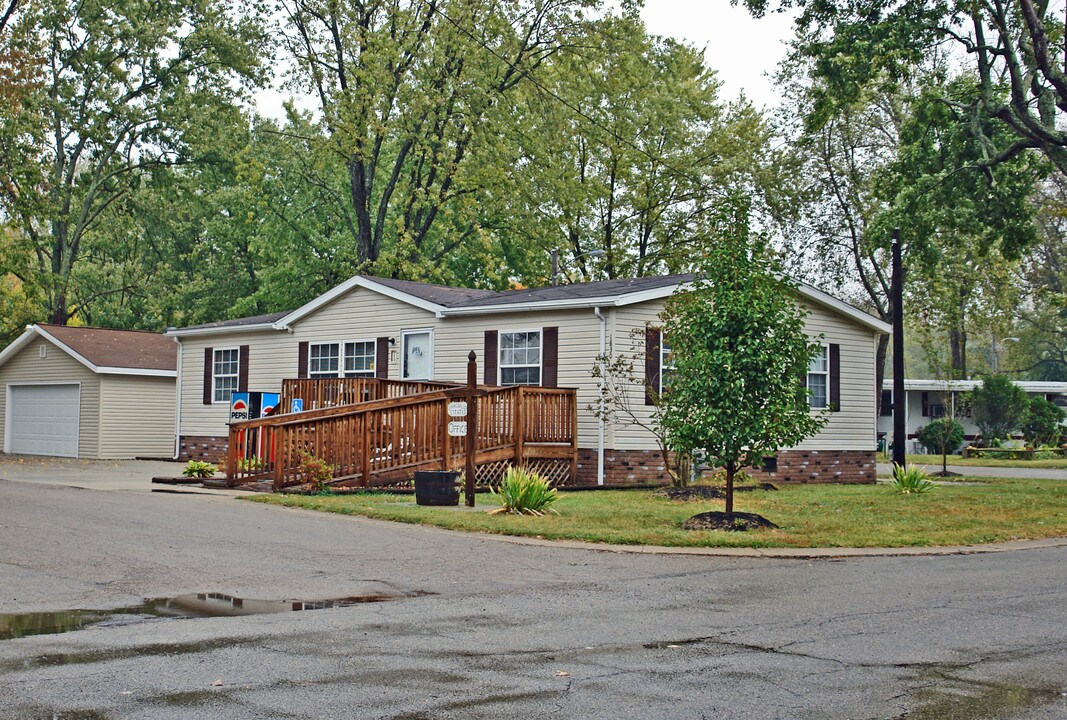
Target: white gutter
(600, 424)
(178, 404)
(184, 332)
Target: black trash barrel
(436, 487)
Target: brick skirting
(625, 467)
(203, 447)
(794, 466)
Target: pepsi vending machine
(249, 406)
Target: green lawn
(934, 462)
(809, 515)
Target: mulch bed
(706, 492)
(733, 522)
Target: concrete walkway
(125, 475)
(886, 469)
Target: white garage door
(44, 419)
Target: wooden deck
(389, 429)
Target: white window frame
(215, 376)
(540, 356)
(826, 373)
(664, 366)
(341, 348)
(404, 352)
(318, 374)
(373, 372)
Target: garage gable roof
(106, 351)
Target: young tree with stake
(740, 354)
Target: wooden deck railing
(318, 393)
(382, 441)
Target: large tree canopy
(116, 89)
(1013, 48)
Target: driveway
(486, 629)
(129, 475)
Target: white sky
(742, 49)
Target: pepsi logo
(240, 405)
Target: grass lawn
(934, 462)
(809, 515)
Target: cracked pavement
(527, 631)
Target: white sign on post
(457, 409)
(457, 428)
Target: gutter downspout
(178, 404)
(600, 424)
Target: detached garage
(88, 393)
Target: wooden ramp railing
(383, 441)
(321, 393)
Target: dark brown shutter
(489, 358)
(835, 377)
(652, 353)
(381, 358)
(302, 360)
(549, 357)
(242, 369)
(926, 404)
(209, 366)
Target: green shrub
(1000, 407)
(1044, 424)
(199, 469)
(522, 492)
(251, 464)
(316, 473)
(911, 481)
(943, 436)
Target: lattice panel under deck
(556, 472)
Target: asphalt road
(506, 629)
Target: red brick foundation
(203, 447)
(622, 467)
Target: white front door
(418, 355)
(43, 419)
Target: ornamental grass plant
(522, 492)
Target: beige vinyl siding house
(557, 332)
(90, 393)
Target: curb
(780, 553)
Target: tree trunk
(957, 339)
(731, 468)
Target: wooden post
(365, 449)
(446, 442)
(472, 427)
(519, 426)
(279, 466)
(573, 396)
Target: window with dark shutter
(550, 357)
(209, 360)
(489, 357)
(926, 404)
(381, 358)
(835, 377)
(652, 364)
(242, 369)
(302, 360)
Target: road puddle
(194, 605)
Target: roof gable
(106, 351)
(444, 301)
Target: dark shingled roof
(437, 294)
(578, 291)
(253, 320)
(132, 349)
